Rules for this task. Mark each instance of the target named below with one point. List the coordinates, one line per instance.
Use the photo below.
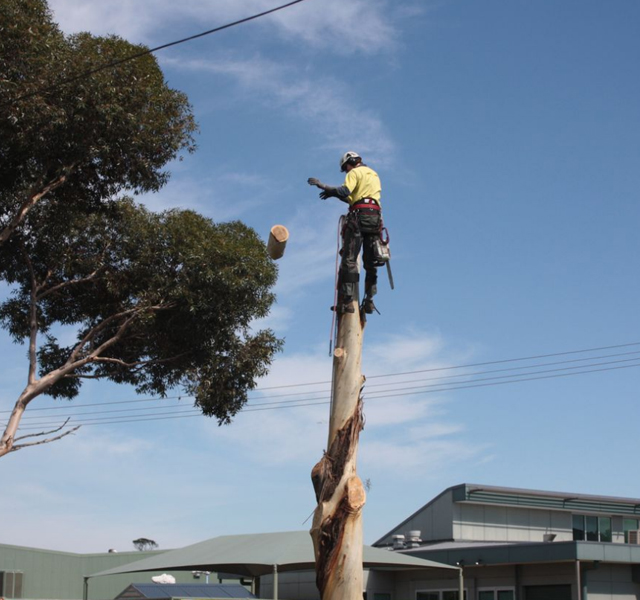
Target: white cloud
(328, 24)
(210, 195)
(326, 104)
(411, 431)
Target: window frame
(496, 589)
(625, 531)
(440, 592)
(598, 519)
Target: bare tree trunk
(337, 521)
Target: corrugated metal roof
(190, 590)
(254, 555)
(487, 494)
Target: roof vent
(398, 541)
(413, 538)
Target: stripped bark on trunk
(337, 522)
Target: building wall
(51, 575)
(479, 522)
(434, 521)
(292, 585)
(301, 585)
(612, 582)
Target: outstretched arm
(328, 191)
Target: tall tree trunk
(337, 521)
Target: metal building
(516, 544)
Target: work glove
(328, 193)
(316, 182)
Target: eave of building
(478, 554)
(483, 494)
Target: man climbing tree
(361, 191)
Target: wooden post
(337, 521)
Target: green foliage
(159, 301)
(144, 544)
(108, 132)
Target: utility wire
(76, 406)
(115, 63)
(375, 394)
(316, 402)
(482, 364)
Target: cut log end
(278, 237)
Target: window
(11, 584)
(627, 526)
(547, 592)
(439, 595)
(497, 594)
(604, 525)
(591, 528)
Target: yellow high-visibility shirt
(362, 182)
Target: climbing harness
(382, 257)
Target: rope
(334, 325)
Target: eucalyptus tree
(157, 301)
(73, 138)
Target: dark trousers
(360, 231)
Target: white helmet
(348, 156)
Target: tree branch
(139, 363)
(91, 334)
(65, 284)
(33, 198)
(47, 441)
(33, 318)
(22, 437)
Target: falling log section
(337, 521)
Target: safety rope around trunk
(334, 321)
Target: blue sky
(507, 138)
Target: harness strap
(364, 203)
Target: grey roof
(474, 487)
(190, 590)
(255, 554)
(490, 553)
(491, 494)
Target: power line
(481, 364)
(381, 393)
(316, 402)
(76, 406)
(115, 63)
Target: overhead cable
(75, 406)
(136, 55)
(316, 402)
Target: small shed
(179, 591)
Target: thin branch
(33, 198)
(33, 318)
(65, 284)
(140, 363)
(131, 314)
(95, 331)
(22, 437)
(48, 440)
